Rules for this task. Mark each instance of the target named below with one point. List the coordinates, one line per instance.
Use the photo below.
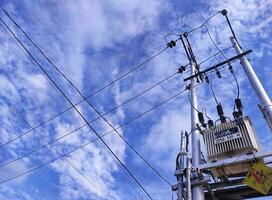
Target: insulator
(218, 74)
(239, 104)
(207, 79)
(201, 76)
(221, 113)
(201, 117)
(181, 69)
(224, 12)
(197, 80)
(171, 44)
(197, 67)
(219, 110)
(231, 68)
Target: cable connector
(171, 44)
(181, 69)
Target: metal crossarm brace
(218, 65)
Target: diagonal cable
(84, 125)
(91, 141)
(89, 96)
(91, 105)
(50, 146)
(78, 112)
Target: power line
(83, 145)
(193, 29)
(104, 114)
(214, 55)
(84, 125)
(221, 52)
(80, 93)
(203, 24)
(17, 113)
(79, 113)
(97, 91)
(213, 93)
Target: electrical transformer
(231, 139)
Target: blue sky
(93, 42)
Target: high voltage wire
(16, 112)
(65, 135)
(83, 145)
(205, 22)
(214, 55)
(84, 98)
(87, 97)
(111, 110)
(78, 112)
(84, 125)
(222, 53)
(101, 116)
(93, 109)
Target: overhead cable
(95, 119)
(84, 125)
(50, 146)
(83, 145)
(96, 92)
(100, 114)
(230, 66)
(79, 113)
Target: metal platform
(229, 161)
(236, 193)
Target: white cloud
(163, 140)
(84, 38)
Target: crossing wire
(50, 146)
(113, 109)
(89, 96)
(81, 94)
(91, 141)
(78, 112)
(84, 125)
(104, 119)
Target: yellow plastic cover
(259, 178)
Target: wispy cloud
(93, 42)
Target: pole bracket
(218, 65)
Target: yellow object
(259, 178)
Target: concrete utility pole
(266, 105)
(197, 191)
